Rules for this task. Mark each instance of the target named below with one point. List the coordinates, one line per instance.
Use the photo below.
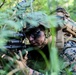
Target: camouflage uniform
(69, 49)
(68, 46)
(69, 54)
(37, 18)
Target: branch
(2, 4)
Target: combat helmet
(35, 19)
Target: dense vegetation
(8, 25)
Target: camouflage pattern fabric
(33, 72)
(70, 55)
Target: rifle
(15, 42)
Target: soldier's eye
(34, 33)
(37, 34)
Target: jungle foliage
(9, 23)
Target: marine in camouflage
(32, 20)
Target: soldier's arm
(65, 22)
(70, 54)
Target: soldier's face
(36, 37)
